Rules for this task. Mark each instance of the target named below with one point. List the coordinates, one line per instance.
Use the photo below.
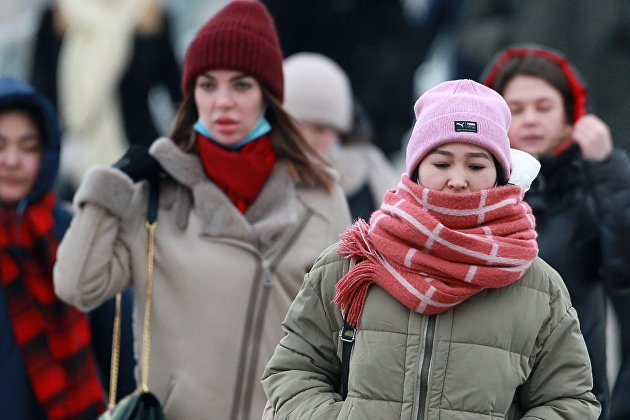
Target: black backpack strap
(347, 336)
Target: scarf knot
(432, 250)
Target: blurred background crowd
(121, 60)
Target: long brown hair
(305, 164)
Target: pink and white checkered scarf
(432, 250)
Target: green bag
(141, 404)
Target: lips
(226, 125)
(225, 120)
(10, 180)
(531, 139)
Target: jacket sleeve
(383, 175)
(301, 376)
(611, 189)
(560, 384)
(93, 259)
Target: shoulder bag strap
(150, 225)
(347, 336)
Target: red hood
(576, 83)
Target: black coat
(582, 211)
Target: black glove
(139, 164)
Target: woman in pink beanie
(245, 206)
(439, 308)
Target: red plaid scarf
(54, 339)
(432, 250)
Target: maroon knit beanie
(241, 36)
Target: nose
(224, 97)
(530, 116)
(10, 156)
(457, 183)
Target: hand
(593, 136)
(138, 164)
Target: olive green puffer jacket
(514, 352)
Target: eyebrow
(470, 155)
(536, 100)
(25, 138)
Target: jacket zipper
(249, 356)
(249, 322)
(424, 367)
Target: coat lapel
(275, 209)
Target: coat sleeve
(560, 384)
(301, 377)
(339, 213)
(383, 175)
(611, 190)
(93, 259)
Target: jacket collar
(275, 209)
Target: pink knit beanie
(460, 111)
(241, 36)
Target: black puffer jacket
(582, 218)
(582, 211)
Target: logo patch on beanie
(468, 126)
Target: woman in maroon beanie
(245, 206)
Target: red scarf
(432, 250)
(54, 339)
(240, 173)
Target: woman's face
(539, 122)
(458, 168)
(20, 156)
(229, 104)
(319, 136)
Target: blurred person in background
(594, 34)
(99, 63)
(372, 40)
(245, 207)
(318, 94)
(581, 198)
(47, 366)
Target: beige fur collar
(275, 210)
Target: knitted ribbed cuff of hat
(241, 36)
(108, 188)
(460, 111)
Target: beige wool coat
(222, 281)
(510, 353)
